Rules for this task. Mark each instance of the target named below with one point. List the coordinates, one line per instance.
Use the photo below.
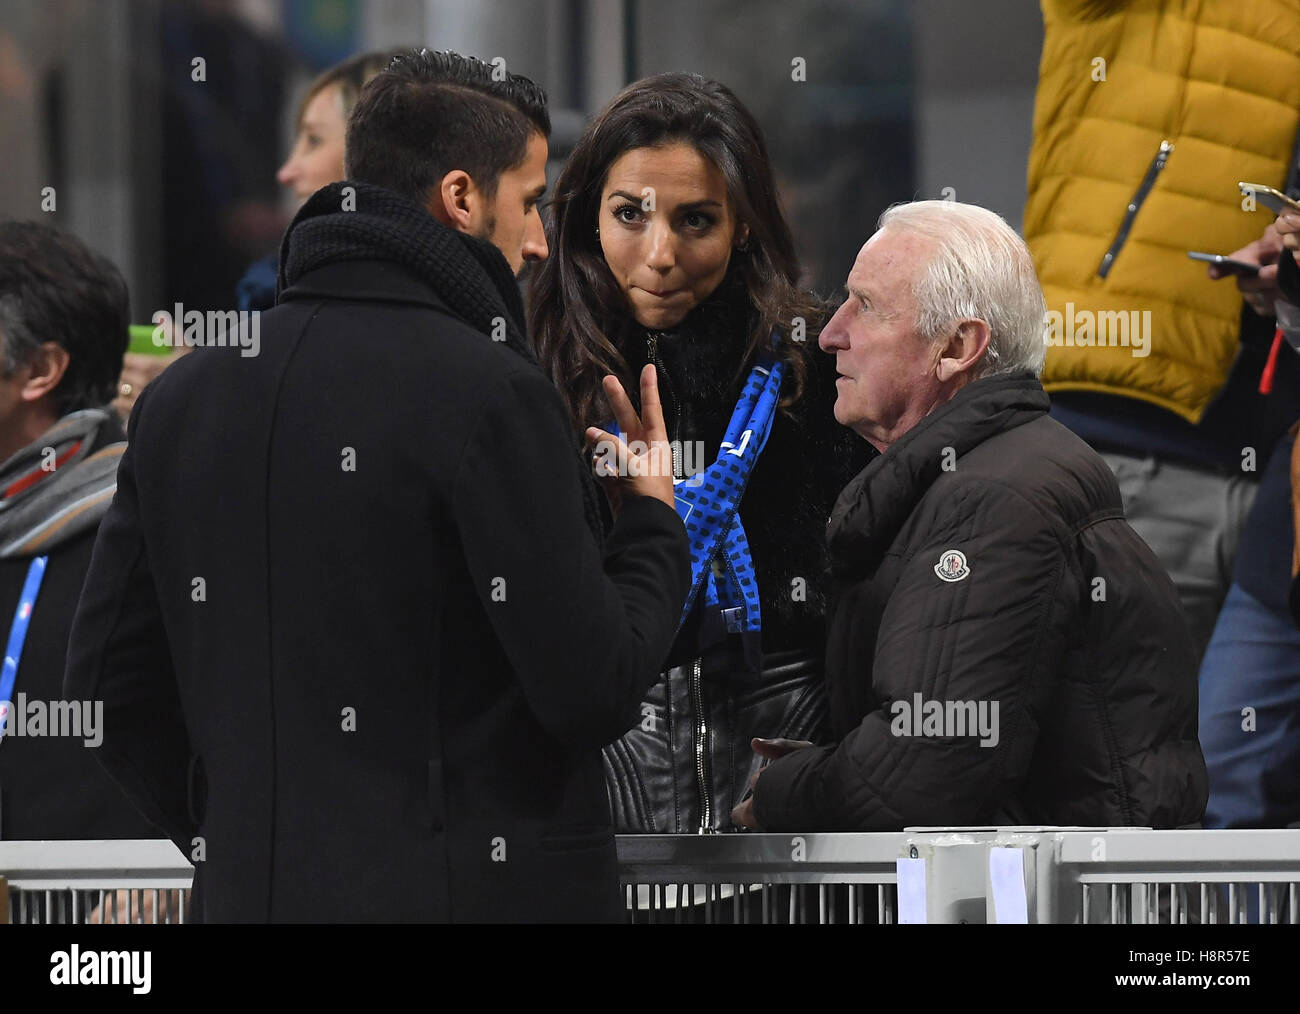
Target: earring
(598, 232)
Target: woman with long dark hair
(669, 247)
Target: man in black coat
(63, 331)
(1004, 648)
(358, 644)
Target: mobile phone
(1276, 201)
(1227, 263)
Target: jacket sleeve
(118, 653)
(585, 637)
(970, 647)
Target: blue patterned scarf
(709, 503)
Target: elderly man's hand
(773, 749)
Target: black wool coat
(352, 628)
(984, 561)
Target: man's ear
(45, 368)
(964, 349)
(457, 201)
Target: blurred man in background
(63, 321)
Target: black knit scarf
(358, 221)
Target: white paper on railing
(1007, 876)
(911, 891)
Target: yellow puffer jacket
(1110, 219)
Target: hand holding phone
(1226, 265)
(1254, 267)
(1276, 201)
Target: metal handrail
(1069, 874)
(841, 858)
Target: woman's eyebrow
(638, 198)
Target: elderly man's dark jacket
(348, 616)
(984, 558)
(50, 786)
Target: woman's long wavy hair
(577, 312)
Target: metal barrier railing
(1180, 876)
(93, 881)
(763, 878)
(936, 875)
(1109, 875)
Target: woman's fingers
(624, 413)
(645, 463)
(649, 426)
(652, 413)
(610, 453)
(636, 467)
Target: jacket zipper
(701, 744)
(652, 350)
(1144, 188)
(702, 747)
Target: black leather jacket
(689, 761)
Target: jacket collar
(366, 280)
(874, 506)
(354, 221)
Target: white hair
(980, 269)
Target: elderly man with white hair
(1004, 649)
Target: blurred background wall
(864, 102)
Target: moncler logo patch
(952, 565)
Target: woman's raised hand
(641, 462)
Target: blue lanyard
(18, 635)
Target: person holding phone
(1250, 676)
(1125, 159)
(1258, 288)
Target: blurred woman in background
(669, 247)
(316, 159)
(317, 155)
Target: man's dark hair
(430, 113)
(54, 288)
